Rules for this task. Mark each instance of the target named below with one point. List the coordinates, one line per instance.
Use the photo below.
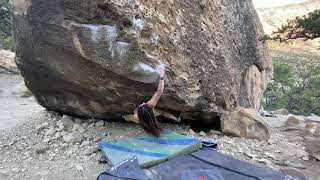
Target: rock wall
(97, 58)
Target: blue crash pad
(149, 150)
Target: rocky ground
(45, 145)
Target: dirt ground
(32, 145)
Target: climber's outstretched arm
(156, 96)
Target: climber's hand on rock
(161, 71)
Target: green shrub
(296, 89)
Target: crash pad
(206, 163)
(149, 150)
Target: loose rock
(215, 132)
(292, 172)
(42, 126)
(51, 132)
(40, 149)
(90, 150)
(99, 123)
(281, 112)
(78, 121)
(313, 146)
(291, 123)
(310, 129)
(66, 123)
(191, 132)
(201, 133)
(245, 123)
(74, 137)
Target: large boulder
(282, 112)
(291, 123)
(98, 58)
(311, 129)
(245, 123)
(313, 146)
(313, 118)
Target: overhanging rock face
(96, 58)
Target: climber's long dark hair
(148, 121)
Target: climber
(144, 114)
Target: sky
(275, 3)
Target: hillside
(273, 17)
(297, 52)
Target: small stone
(270, 155)
(91, 150)
(51, 132)
(294, 164)
(84, 125)
(15, 170)
(265, 161)
(46, 140)
(40, 149)
(63, 133)
(253, 156)
(58, 135)
(90, 126)
(99, 123)
(70, 152)
(66, 123)
(74, 137)
(97, 139)
(215, 132)
(78, 121)
(277, 151)
(191, 132)
(79, 128)
(12, 142)
(201, 133)
(79, 168)
(292, 172)
(306, 158)
(85, 143)
(42, 126)
(297, 138)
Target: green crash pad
(149, 150)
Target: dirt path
(14, 109)
(32, 143)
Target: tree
(304, 27)
(5, 20)
(6, 39)
(296, 89)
